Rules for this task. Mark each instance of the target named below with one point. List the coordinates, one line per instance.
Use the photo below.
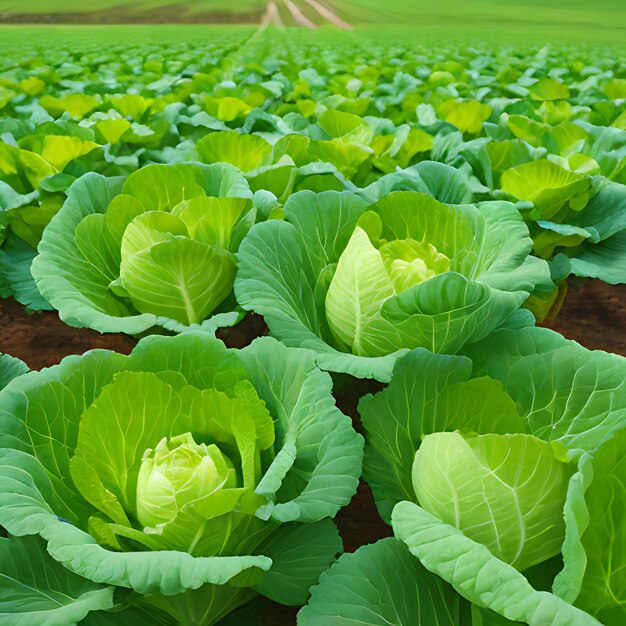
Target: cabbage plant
(588, 590)
(579, 219)
(485, 464)
(362, 283)
(156, 249)
(186, 477)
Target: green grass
(89, 37)
(594, 21)
(603, 15)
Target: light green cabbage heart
(366, 277)
(179, 471)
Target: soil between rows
(179, 13)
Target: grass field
(603, 20)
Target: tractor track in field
(329, 15)
(303, 13)
(271, 17)
(322, 15)
(300, 18)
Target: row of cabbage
(178, 484)
(543, 129)
(385, 213)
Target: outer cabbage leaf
(591, 240)
(605, 260)
(299, 552)
(468, 117)
(443, 182)
(381, 584)
(131, 615)
(245, 152)
(478, 575)
(594, 552)
(16, 279)
(548, 186)
(10, 368)
(36, 590)
(566, 393)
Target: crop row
(393, 212)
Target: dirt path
(328, 15)
(271, 17)
(300, 18)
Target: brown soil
(593, 314)
(42, 339)
(173, 14)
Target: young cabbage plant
(190, 477)
(361, 284)
(156, 249)
(34, 175)
(579, 219)
(481, 463)
(266, 167)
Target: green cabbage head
(192, 476)
(504, 491)
(362, 283)
(156, 249)
(502, 472)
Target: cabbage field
(313, 263)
